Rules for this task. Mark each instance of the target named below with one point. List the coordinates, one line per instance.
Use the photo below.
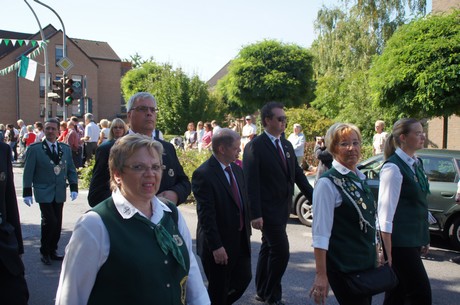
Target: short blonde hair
(334, 133)
(125, 147)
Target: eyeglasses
(419, 133)
(350, 145)
(118, 127)
(142, 169)
(282, 119)
(146, 109)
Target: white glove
(73, 195)
(28, 200)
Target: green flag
(28, 68)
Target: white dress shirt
(89, 248)
(389, 190)
(326, 197)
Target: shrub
(85, 174)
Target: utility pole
(45, 54)
(64, 55)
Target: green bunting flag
(31, 65)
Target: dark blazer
(218, 213)
(10, 228)
(174, 178)
(270, 187)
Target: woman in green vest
(403, 213)
(344, 236)
(132, 248)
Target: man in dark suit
(142, 115)
(223, 232)
(13, 287)
(271, 169)
(48, 168)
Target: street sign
(53, 95)
(65, 64)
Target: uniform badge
(288, 155)
(2, 176)
(171, 172)
(178, 240)
(57, 170)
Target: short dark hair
(53, 120)
(266, 111)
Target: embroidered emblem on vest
(178, 240)
(171, 172)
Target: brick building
(436, 125)
(96, 74)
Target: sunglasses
(282, 119)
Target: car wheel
(304, 211)
(454, 233)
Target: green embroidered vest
(410, 222)
(137, 271)
(351, 245)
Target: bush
(85, 174)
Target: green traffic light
(68, 100)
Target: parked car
(301, 206)
(443, 170)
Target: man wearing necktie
(48, 168)
(271, 169)
(223, 232)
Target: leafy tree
(312, 122)
(418, 72)
(181, 99)
(265, 71)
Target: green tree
(418, 74)
(265, 71)
(181, 98)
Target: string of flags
(27, 64)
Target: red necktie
(277, 141)
(236, 194)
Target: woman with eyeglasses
(132, 248)
(403, 213)
(344, 232)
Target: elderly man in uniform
(142, 115)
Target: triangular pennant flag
(34, 42)
(27, 42)
(1, 39)
(13, 42)
(20, 41)
(7, 41)
(28, 68)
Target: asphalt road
(43, 280)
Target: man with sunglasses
(142, 115)
(271, 169)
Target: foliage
(192, 159)
(418, 72)
(181, 99)
(265, 71)
(312, 122)
(85, 174)
(349, 38)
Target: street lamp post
(64, 54)
(45, 54)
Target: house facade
(96, 73)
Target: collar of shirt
(153, 133)
(50, 143)
(272, 137)
(127, 210)
(343, 170)
(406, 158)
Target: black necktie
(283, 159)
(54, 153)
(236, 194)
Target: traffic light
(68, 90)
(58, 90)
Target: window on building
(42, 84)
(59, 53)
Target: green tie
(363, 183)
(421, 177)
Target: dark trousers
(51, 226)
(272, 262)
(227, 283)
(13, 288)
(414, 285)
(342, 293)
(90, 150)
(76, 157)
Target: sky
(199, 36)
